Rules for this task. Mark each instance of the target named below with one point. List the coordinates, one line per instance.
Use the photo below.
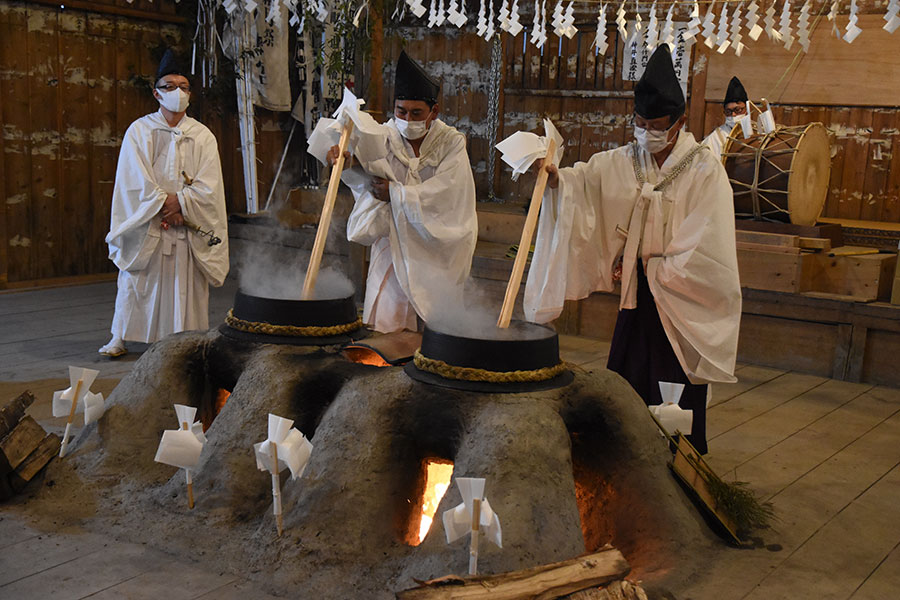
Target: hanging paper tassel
(432, 14)
(569, 29)
(753, 21)
(416, 6)
(667, 36)
(694, 24)
(853, 29)
(620, 21)
(600, 41)
(515, 27)
(892, 16)
(539, 25)
(489, 32)
(736, 36)
(803, 27)
(274, 14)
(769, 20)
(832, 16)
(543, 39)
(786, 34)
(481, 27)
(709, 27)
(454, 15)
(652, 37)
(556, 19)
(722, 41)
(503, 16)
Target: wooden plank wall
(68, 92)
(462, 61)
(858, 104)
(69, 88)
(582, 93)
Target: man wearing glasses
(659, 211)
(168, 174)
(734, 106)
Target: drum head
(810, 175)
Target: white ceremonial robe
(687, 249)
(164, 274)
(422, 241)
(715, 141)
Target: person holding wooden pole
(659, 212)
(168, 177)
(420, 222)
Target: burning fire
(207, 416)
(365, 356)
(437, 480)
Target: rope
(670, 177)
(448, 371)
(289, 330)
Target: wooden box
(862, 278)
(776, 271)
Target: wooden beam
(108, 9)
(697, 109)
(543, 582)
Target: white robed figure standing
(661, 209)
(418, 213)
(734, 106)
(168, 172)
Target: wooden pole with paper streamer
(285, 447)
(182, 447)
(519, 151)
(315, 258)
(353, 126)
(77, 398)
(472, 516)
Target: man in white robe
(734, 106)
(660, 209)
(168, 174)
(419, 216)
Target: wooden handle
(279, 520)
(534, 209)
(74, 401)
(473, 545)
(315, 258)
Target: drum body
(779, 176)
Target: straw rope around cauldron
(448, 371)
(290, 330)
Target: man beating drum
(734, 106)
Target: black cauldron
(299, 322)
(525, 348)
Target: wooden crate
(862, 278)
(777, 271)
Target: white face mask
(730, 121)
(651, 141)
(411, 130)
(176, 101)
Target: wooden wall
(853, 89)
(68, 91)
(70, 84)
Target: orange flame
(221, 399)
(437, 480)
(365, 356)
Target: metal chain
(494, 111)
